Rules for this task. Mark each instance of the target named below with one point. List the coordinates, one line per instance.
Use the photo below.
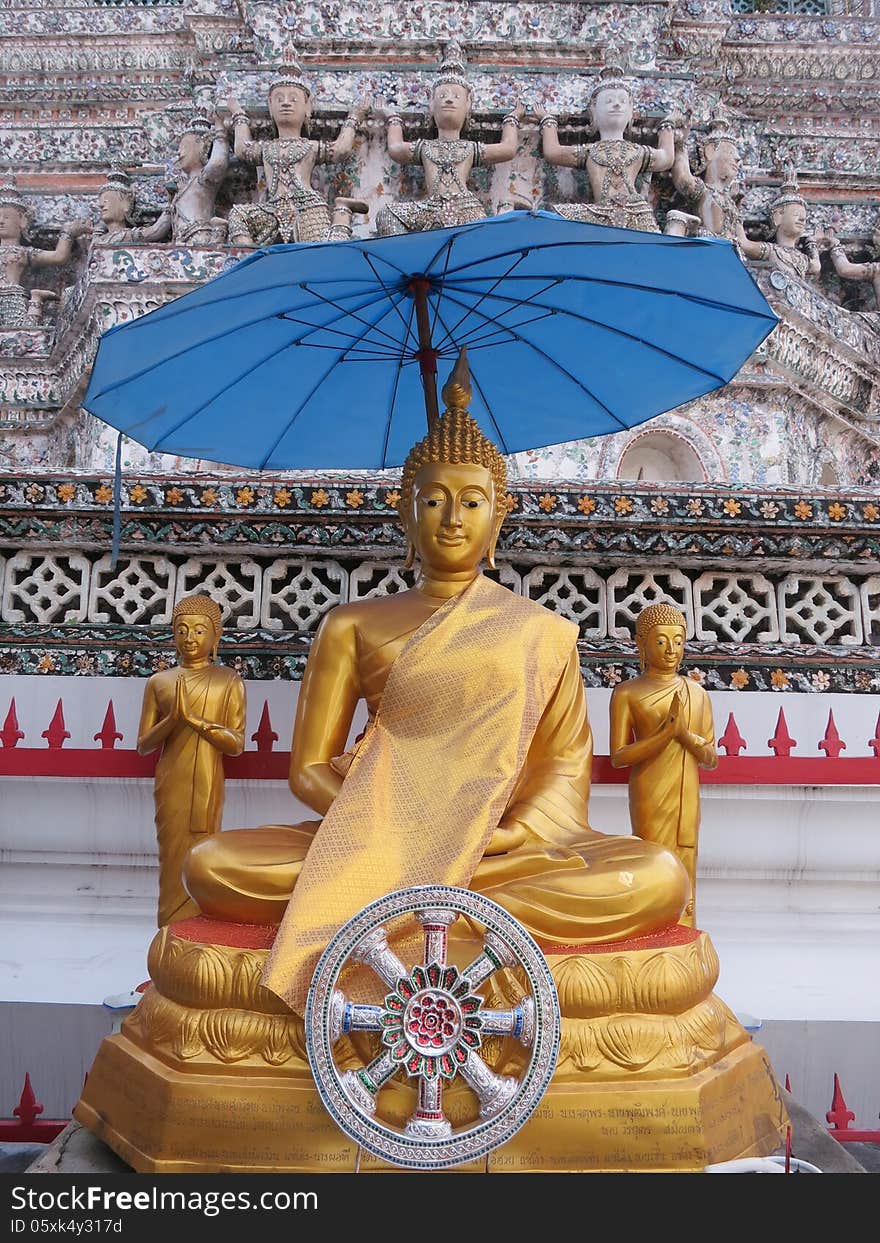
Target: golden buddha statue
(661, 727)
(196, 714)
(473, 771)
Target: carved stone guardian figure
(116, 207)
(18, 307)
(716, 195)
(613, 165)
(793, 250)
(448, 159)
(201, 164)
(293, 211)
(662, 730)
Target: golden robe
(189, 787)
(479, 719)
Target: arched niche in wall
(661, 456)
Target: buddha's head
(196, 624)
(454, 491)
(15, 216)
(451, 97)
(660, 635)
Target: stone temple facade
(756, 509)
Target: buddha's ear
(496, 531)
(410, 555)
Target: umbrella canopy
(324, 355)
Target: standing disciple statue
(715, 195)
(793, 250)
(196, 714)
(662, 730)
(850, 271)
(20, 308)
(293, 211)
(613, 164)
(474, 768)
(447, 160)
(201, 164)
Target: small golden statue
(293, 211)
(196, 714)
(717, 193)
(792, 250)
(19, 308)
(448, 159)
(661, 727)
(849, 271)
(613, 164)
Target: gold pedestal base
(208, 1074)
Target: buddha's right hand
(505, 838)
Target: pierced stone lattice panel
(139, 591)
(300, 593)
(870, 593)
(507, 576)
(819, 610)
(374, 579)
(46, 587)
(235, 585)
(628, 592)
(741, 608)
(577, 594)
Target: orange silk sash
(430, 781)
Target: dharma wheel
(438, 1063)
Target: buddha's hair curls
(455, 438)
(199, 606)
(661, 614)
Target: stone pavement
(77, 1151)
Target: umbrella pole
(426, 354)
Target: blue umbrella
(324, 355)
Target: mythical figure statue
(613, 164)
(201, 164)
(20, 308)
(293, 211)
(793, 250)
(717, 193)
(849, 271)
(196, 714)
(661, 728)
(447, 160)
(445, 794)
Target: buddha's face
(11, 224)
(450, 104)
(612, 109)
(288, 105)
(453, 516)
(662, 649)
(194, 637)
(113, 207)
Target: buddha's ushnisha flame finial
(457, 390)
